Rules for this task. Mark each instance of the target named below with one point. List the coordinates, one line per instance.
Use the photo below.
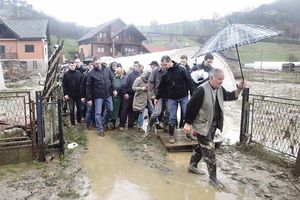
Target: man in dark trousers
(175, 85)
(89, 109)
(127, 97)
(71, 89)
(205, 113)
(99, 90)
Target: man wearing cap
(161, 104)
(153, 64)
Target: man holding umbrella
(205, 113)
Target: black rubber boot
(195, 159)
(171, 134)
(213, 180)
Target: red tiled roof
(155, 48)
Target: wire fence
(272, 122)
(15, 109)
(17, 127)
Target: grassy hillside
(70, 46)
(266, 51)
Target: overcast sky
(140, 12)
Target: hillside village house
(113, 38)
(24, 41)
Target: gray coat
(141, 96)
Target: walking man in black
(205, 113)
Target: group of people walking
(107, 95)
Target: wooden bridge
(182, 143)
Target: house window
(2, 49)
(29, 48)
(111, 49)
(129, 49)
(100, 49)
(102, 35)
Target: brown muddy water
(115, 176)
(125, 166)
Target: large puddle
(115, 177)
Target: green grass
(2, 173)
(266, 51)
(70, 194)
(38, 164)
(70, 46)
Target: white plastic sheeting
(145, 59)
(2, 84)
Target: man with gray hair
(206, 114)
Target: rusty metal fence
(271, 121)
(17, 124)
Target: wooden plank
(13, 139)
(15, 143)
(182, 143)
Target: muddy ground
(246, 172)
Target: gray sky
(140, 12)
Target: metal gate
(17, 127)
(275, 123)
(271, 121)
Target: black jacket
(81, 69)
(127, 85)
(99, 83)
(175, 83)
(83, 80)
(71, 83)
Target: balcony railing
(8, 55)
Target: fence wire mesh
(275, 123)
(14, 110)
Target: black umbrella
(236, 35)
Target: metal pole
(244, 117)
(60, 127)
(296, 171)
(41, 134)
(237, 51)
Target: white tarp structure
(145, 59)
(2, 84)
(267, 65)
